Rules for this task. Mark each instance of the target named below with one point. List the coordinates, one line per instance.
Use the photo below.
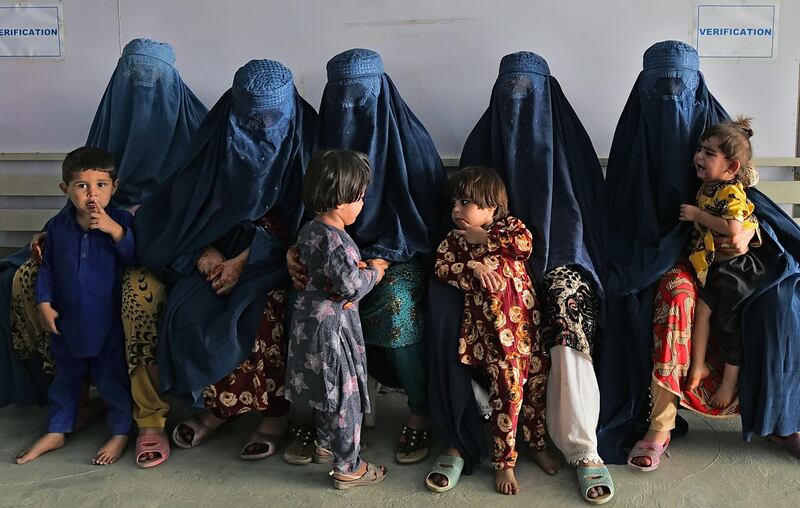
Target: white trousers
(573, 405)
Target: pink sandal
(652, 451)
(152, 443)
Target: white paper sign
(736, 30)
(31, 31)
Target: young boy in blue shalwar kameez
(78, 296)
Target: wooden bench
(26, 220)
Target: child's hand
(474, 235)
(48, 315)
(688, 213)
(209, 260)
(99, 219)
(37, 247)
(490, 280)
(380, 265)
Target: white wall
(442, 54)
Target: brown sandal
(301, 450)
(415, 447)
(374, 474)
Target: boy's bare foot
(440, 479)
(111, 451)
(49, 442)
(697, 372)
(595, 492)
(652, 436)
(724, 395)
(505, 482)
(547, 460)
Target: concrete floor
(709, 467)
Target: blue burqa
(533, 138)
(247, 159)
(362, 110)
(650, 174)
(146, 119)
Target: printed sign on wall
(31, 31)
(736, 30)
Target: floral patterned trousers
(506, 378)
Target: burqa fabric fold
(362, 110)
(650, 174)
(248, 158)
(146, 119)
(531, 135)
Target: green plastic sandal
(589, 477)
(448, 466)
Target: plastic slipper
(272, 442)
(200, 430)
(790, 442)
(649, 449)
(374, 474)
(152, 443)
(448, 466)
(590, 477)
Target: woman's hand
(297, 270)
(209, 260)
(37, 247)
(226, 274)
(733, 246)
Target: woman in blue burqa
(146, 119)
(362, 110)
(531, 135)
(651, 290)
(216, 234)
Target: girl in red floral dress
(485, 258)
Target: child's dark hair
(335, 177)
(481, 185)
(84, 159)
(734, 143)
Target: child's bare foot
(547, 460)
(653, 436)
(49, 442)
(724, 395)
(111, 451)
(697, 372)
(505, 482)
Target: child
(87, 247)
(485, 257)
(326, 366)
(722, 162)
